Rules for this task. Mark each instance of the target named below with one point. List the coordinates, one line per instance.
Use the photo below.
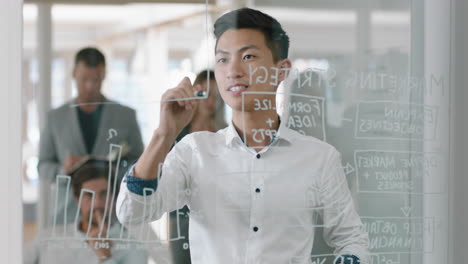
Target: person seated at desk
(79, 242)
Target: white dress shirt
(249, 207)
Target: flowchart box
(400, 234)
(383, 171)
(396, 121)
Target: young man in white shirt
(252, 199)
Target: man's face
(99, 187)
(240, 56)
(89, 81)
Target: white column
(10, 134)
(157, 55)
(363, 31)
(43, 93)
(44, 53)
(436, 60)
(363, 38)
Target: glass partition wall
(363, 79)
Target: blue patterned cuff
(347, 259)
(137, 185)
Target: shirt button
(258, 156)
(255, 229)
(257, 190)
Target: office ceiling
(117, 2)
(318, 4)
(337, 4)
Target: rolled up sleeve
(144, 201)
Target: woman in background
(209, 116)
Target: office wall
(10, 138)
(450, 207)
(459, 180)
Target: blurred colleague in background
(84, 126)
(209, 116)
(79, 242)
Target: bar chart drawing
(90, 219)
(140, 233)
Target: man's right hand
(175, 115)
(176, 110)
(70, 161)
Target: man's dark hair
(203, 76)
(90, 56)
(90, 171)
(275, 37)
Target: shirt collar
(74, 101)
(231, 135)
(284, 132)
